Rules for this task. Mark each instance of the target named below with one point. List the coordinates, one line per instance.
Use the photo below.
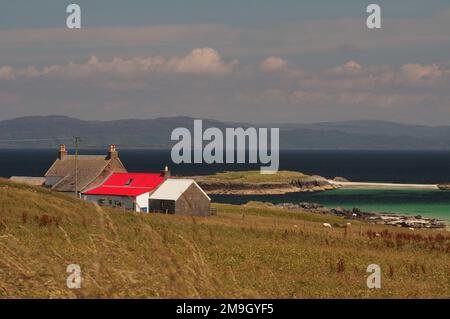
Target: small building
(130, 191)
(180, 196)
(28, 180)
(85, 171)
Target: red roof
(128, 184)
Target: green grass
(250, 251)
(254, 177)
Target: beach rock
(339, 211)
(310, 205)
(311, 182)
(390, 219)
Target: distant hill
(49, 131)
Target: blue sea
(428, 167)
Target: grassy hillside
(250, 251)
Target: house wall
(52, 180)
(193, 202)
(126, 202)
(161, 206)
(142, 202)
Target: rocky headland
(238, 187)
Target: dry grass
(245, 251)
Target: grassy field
(254, 177)
(244, 251)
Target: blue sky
(287, 60)
(47, 13)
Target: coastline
(246, 183)
(260, 189)
(253, 183)
(379, 218)
(369, 185)
(243, 184)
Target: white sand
(383, 185)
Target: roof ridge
(128, 187)
(138, 173)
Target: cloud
(358, 85)
(422, 73)
(202, 83)
(349, 68)
(272, 64)
(289, 39)
(201, 61)
(353, 76)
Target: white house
(180, 196)
(128, 190)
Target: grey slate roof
(89, 168)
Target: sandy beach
(362, 185)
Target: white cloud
(349, 68)
(419, 73)
(354, 84)
(202, 61)
(272, 64)
(158, 86)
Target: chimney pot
(165, 173)
(62, 151)
(113, 151)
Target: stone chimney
(165, 172)
(62, 151)
(113, 153)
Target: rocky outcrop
(233, 188)
(369, 217)
(308, 184)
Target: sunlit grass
(254, 250)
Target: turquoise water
(428, 203)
